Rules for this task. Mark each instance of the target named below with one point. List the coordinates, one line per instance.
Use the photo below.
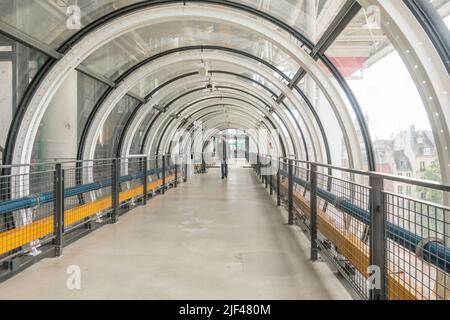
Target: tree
(433, 173)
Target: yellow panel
(17, 237)
(12, 239)
(352, 248)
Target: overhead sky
(390, 98)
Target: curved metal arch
(434, 26)
(193, 114)
(426, 69)
(220, 128)
(314, 145)
(219, 132)
(319, 123)
(203, 88)
(188, 124)
(215, 123)
(224, 101)
(148, 96)
(93, 26)
(263, 111)
(129, 138)
(304, 97)
(142, 73)
(59, 75)
(215, 132)
(288, 109)
(281, 141)
(199, 109)
(315, 140)
(217, 126)
(135, 67)
(226, 125)
(121, 140)
(218, 87)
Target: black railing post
(377, 240)
(185, 177)
(313, 212)
(257, 165)
(203, 163)
(291, 192)
(163, 174)
(271, 176)
(115, 187)
(145, 179)
(175, 183)
(59, 209)
(261, 176)
(266, 177)
(279, 183)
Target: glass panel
(284, 135)
(260, 65)
(350, 111)
(383, 86)
(443, 7)
(112, 129)
(311, 18)
(338, 149)
(89, 92)
(219, 87)
(18, 66)
(220, 66)
(54, 21)
(138, 138)
(289, 112)
(156, 79)
(159, 77)
(63, 123)
(315, 127)
(294, 114)
(122, 53)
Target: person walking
(224, 155)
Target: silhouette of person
(224, 154)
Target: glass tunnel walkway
(340, 107)
(207, 239)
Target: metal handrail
(425, 245)
(71, 161)
(413, 181)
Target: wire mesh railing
(387, 245)
(41, 204)
(26, 212)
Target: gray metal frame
(96, 24)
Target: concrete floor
(209, 239)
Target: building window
(400, 189)
(419, 140)
(408, 174)
(427, 152)
(408, 190)
(422, 165)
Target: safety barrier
(53, 202)
(387, 245)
